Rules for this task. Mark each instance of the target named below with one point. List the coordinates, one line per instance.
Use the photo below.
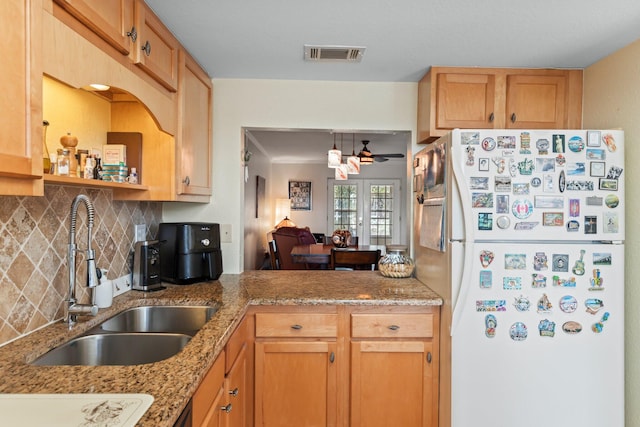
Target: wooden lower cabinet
(208, 398)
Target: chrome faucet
(74, 309)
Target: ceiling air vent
(333, 53)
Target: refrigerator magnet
(564, 283)
(507, 142)
(521, 303)
(488, 144)
(525, 167)
(538, 281)
(491, 305)
(611, 222)
(560, 262)
(525, 143)
(590, 224)
(614, 172)
(573, 225)
(471, 151)
(560, 160)
(601, 258)
(518, 331)
(511, 283)
(544, 305)
(535, 182)
(558, 144)
(562, 182)
(503, 222)
(547, 328)
(578, 266)
(485, 221)
(576, 144)
(597, 282)
(568, 304)
(486, 258)
(609, 142)
(542, 145)
(540, 261)
(490, 324)
(522, 208)
(572, 327)
(485, 279)
(593, 305)
(611, 201)
(598, 326)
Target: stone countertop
(173, 381)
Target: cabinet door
(112, 20)
(209, 397)
(295, 383)
(21, 102)
(236, 391)
(194, 141)
(536, 102)
(393, 383)
(156, 49)
(465, 101)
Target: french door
(368, 208)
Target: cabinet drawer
(296, 325)
(392, 325)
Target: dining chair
(354, 260)
(273, 255)
(285, 239)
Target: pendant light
(366, 158)
(342, 171)
(334, 156)
(353, 161)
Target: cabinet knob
(133, 34)
(226, 408)
(429, 357)
(491, 117)
(234, 392)
(147, 48)
(332, 357)
(513, 118)
(394, 327)
(186, 181)
(296, 327)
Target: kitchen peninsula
(173, 381)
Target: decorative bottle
(46, 157)
(396, 263)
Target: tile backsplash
(34, 239)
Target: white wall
(612, 100)
(284, 104)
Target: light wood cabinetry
(194, 139)
(394, 368)
(296, 368)
(112, 20)
(21, 102)
(209, 397)
(156, 48)
(495, 98)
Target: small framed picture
(300, 195)
(483, 164)
(593, 138)
(553, 219)
(608, 184)
(597, 169)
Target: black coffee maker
(189, 252)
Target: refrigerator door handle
(465, 265)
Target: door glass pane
(381, 208)
(345, 203)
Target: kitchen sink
(180, 319)
(115, 349)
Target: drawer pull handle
(394, 327)
(234, 392)
(186, 181)
(429, 357)
(332, 357)
(296, 327)
(513, 118)
(226, 408)
(147, 48)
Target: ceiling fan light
(342, 172)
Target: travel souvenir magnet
(602, 258)
(502, 184)
(574, 208)
(525, 143)
(518, 331)
(578, 267)
(502, 203)
(521, 188)
(611, 201)
(575, 144)
(593, 138)
(544, 305)
(572, 327)
(511, 283)
(576, 168)
(610, 223)
(560, 262)
(471, 155)
(590, 224)
(597, 282)
(609, 142)
(491, 324)
(486, 258)
(540, 261)
(568, 304)
(470, 138)
(522, 208)
(535, 182)
(515, 261)
(542, 145)
(579, 185)
(558, 144)
(593, 305)
(573, 225)
(526, 225)
(547, 328)
(564, 283)
(485, 279)
(485, 221)
(538, 281)
(503, 222)
(560, 160)
(521, 303)
(488, 144)
(500, 163)
(561, 182)
(491, 305)
(507, 142)
(513, 168)
(598, 326)
(614, 172)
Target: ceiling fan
(366, 156)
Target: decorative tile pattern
(34, 238)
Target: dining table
(320, 253)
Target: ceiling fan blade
(394, 155)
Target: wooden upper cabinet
(21, 102)
(194, 139)
(495, 98)
(156, 49)
(112, 20)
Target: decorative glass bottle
(396, 263)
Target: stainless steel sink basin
(115, 349)
(174, 319)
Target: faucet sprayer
(74, 309)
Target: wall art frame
(300, 195)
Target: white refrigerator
(522, 234)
